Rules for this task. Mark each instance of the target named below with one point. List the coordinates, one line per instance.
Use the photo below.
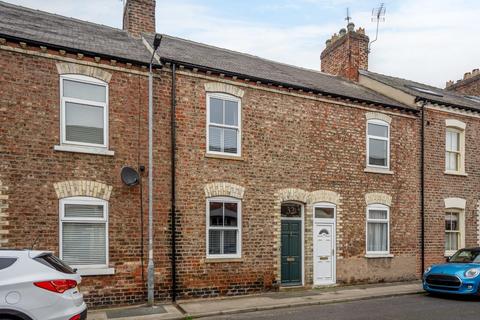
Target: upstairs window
(455, 147)
(378, 144)
(84, 111)
(223, 124)
(452, 150)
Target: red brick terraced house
(469, 85)
(451, 206)
(281, 176)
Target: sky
(429, 41)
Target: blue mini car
(460, 275)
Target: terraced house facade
(281, 176)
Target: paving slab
(160, 312)
(266, 301)
(203, 308)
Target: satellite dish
(130, 176)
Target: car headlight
(472, 273)
(428, 269)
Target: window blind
(84, 243)
(84, 123)
(83, 211)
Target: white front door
(324, 245)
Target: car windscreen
(466, 256)
(6, 262)
(53, 262)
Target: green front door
(291, 252)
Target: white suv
(36, 285)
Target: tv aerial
(378, 15)
(348, 17)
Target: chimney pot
(351, 27)
(348, 55)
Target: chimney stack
(139, 17)
(346, 53)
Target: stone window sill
(455, 173)
(375, 256)
(224, 156)
(378, 170)
(223, 260)
(96, 271)
(83, 149)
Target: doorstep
(293, 288)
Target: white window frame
(460, 153)
(387, 221)
(458, 232)
(84, 201)
(228, 97)
(63, 100)
(381, 123)
(238, 228)
(461, 229)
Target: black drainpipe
(422, 186)
(173, 182)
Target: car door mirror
(447, 259)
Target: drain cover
(135, 312)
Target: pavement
(260, 302)
(407, 307)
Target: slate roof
(47, 28)
(440, 96)
(58, 31)
(255, 68)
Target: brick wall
(439, 185)
(139, 17)
(346, 53)
(290, 142)
(469, 86)
(30, 168)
